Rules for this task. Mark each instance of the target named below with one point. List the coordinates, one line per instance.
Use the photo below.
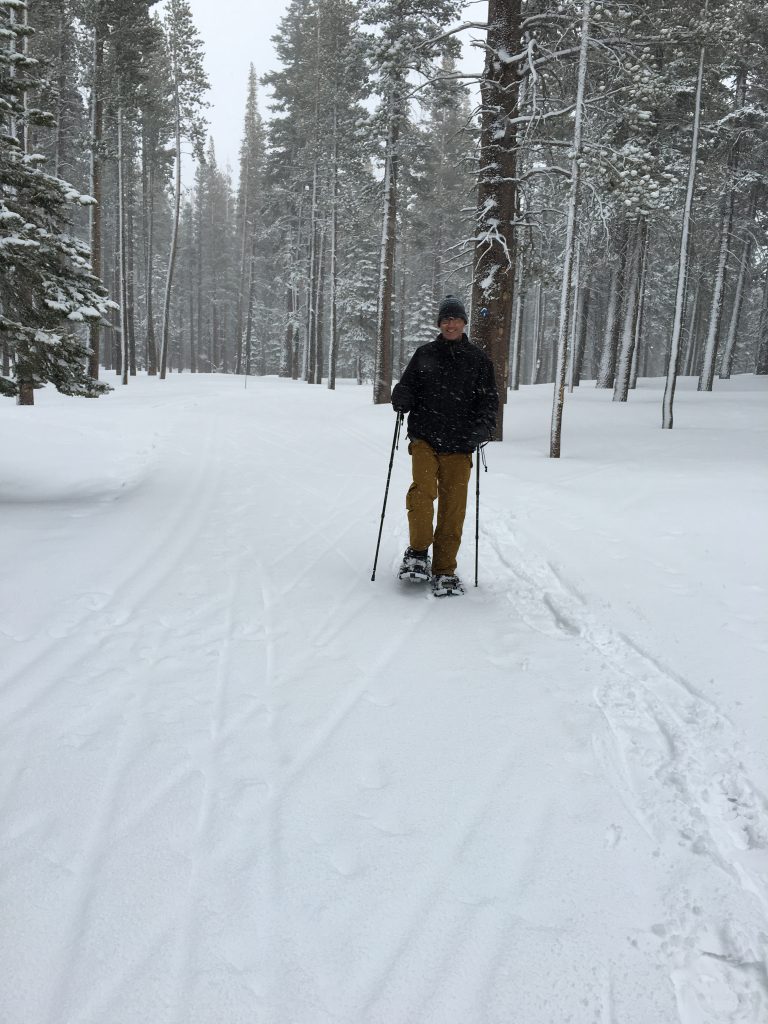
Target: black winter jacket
(450, 388)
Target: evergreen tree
(46, 283)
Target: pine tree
(46, 284)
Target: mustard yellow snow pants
(444, 477)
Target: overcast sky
(237, 33)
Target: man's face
(451, 328)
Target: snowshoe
(415, 567)
(447, 586)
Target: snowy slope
(243, 783)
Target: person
(449, 391)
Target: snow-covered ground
(240, 782)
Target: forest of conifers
(596, 190)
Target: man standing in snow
(449, 390)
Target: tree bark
(333, 344)
(631, 311)
(382, 375)
(566, 292)
(148, 208)
(97, 120)
(493, 272)
(174, 237)
(730, 343)
(682, 272)
(707, 375)
(124, 358)
(607, 368)
(517, 331)
(761, 362)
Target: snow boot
(416, 566)
(447, 586)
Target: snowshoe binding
(415, 567)
(447, 586)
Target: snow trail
(244, 783)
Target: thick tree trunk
(494, 273)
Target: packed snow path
(240, 782)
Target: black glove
(402, 399)
(479, 435)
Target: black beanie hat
(451, 306)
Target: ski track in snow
(664, 739)
(295, 803)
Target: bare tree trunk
(382, 376)
(148, 207)
(97, 119)
(691, 347)
(631, 311)
(517, 331)
(607, 368)
(308, 368)
(320, 305)
(542, 349)
(761, 362)
(582, 320)
(682, 272)
(334, 270)
(241, 276)
(249, 308)
(493, 273)
(730, 344)
(192, 336)
(286, 360)
(130, 292)
(707, 375)
(124, 356)
(566, 292)
(174, 237)
(536, 333)
(200, 319)
(575, 313)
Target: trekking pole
(479, 454)
(395, 440)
